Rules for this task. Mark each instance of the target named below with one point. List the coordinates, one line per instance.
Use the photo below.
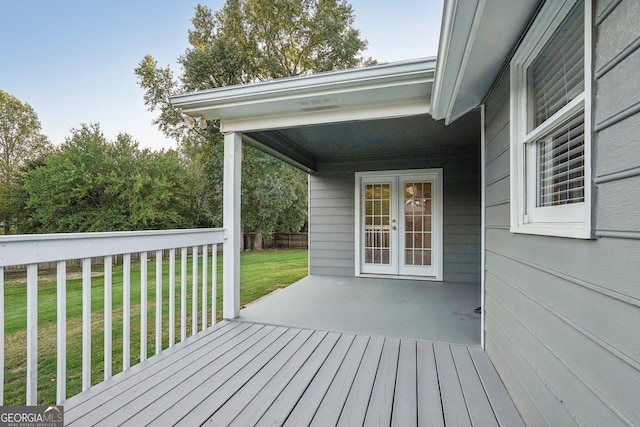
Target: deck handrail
(31, 250)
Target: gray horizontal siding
(563, 315)
(619, 205)
(617, 31)
(618, 148)
(332, 210)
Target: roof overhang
(383, 91)
(476, 38)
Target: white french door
(400, 223)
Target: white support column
(231, 213)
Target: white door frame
(435, 175)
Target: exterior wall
(332, 209)
(563, 315)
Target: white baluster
(194, 296)
(158, 301)
(86, 323)
(205, 294)
(32, 334)
(214, 284)
(61, 376)
(183, 294)
(143, 306)
(108, 315)
(126, 311)
(172, 297)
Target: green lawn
(261, 273)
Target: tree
(20, 143)
(249, 41)
(255, 40)
(92, 184)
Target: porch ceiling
(372, 111)
(306, 145)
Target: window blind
(556, 76)
(561, 164)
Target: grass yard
(261, 273)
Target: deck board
(180, 396)
(277, 413)
(503, 407)
(478, 405)
(307, 405)
(429, 399)
(453, 403)
(201, 403)
(253, 374)
(405, 403)
(330, 408)
(278, 376)
(355, 408)
(381, 401)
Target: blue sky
(73, 60)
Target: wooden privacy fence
(281, 240)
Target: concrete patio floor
(434, 311)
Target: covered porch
(393, 193)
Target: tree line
(92, 184)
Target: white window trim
(438, 233)
(562, 221)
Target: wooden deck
(245, 374)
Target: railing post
(183, 294)
(231, 216)
(126, 311)
(61, 375)
(214, 284)
(158, 302)
(143, 306)
(205, 294)
(32, 334)
(172, 297)
(194, 290)
(108, 315)
(86, 324)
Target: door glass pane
(417, 217)
(377, 220)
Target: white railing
(30, 250)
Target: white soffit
(475, 39)
(383, 91)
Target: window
(550, 123)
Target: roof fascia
(216, 103)
(476, 37)
(460, 22)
